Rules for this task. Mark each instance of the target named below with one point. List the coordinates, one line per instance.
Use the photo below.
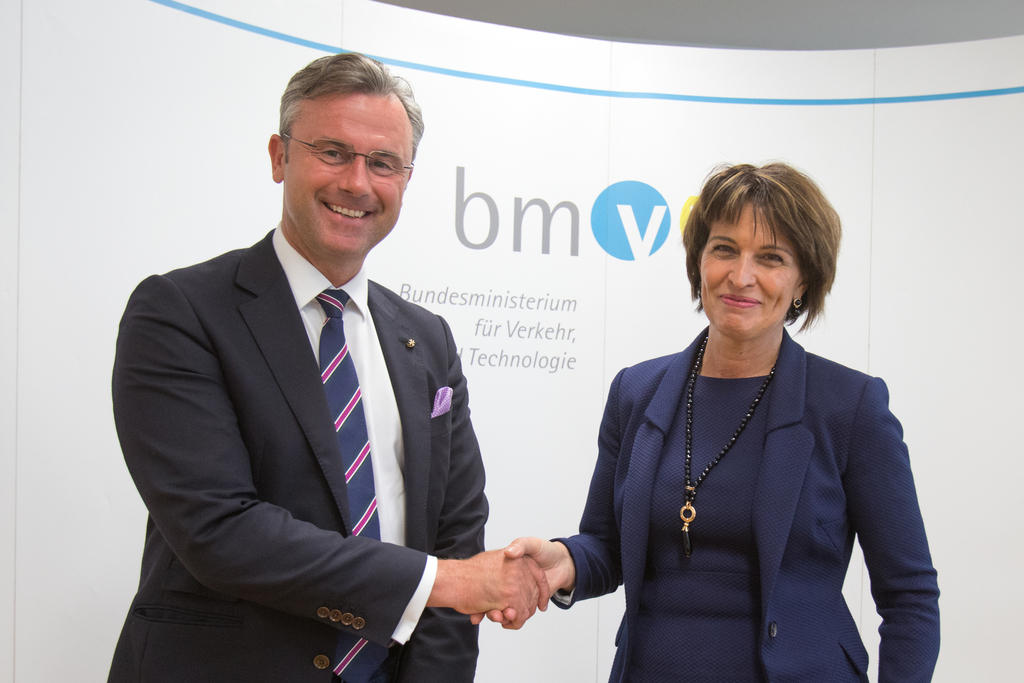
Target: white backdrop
(133, 141)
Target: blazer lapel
(644, 457)
(409, 381)
(787, 453)
(277, 327)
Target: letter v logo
(617, 217)
(641, 242)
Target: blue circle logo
(630, 220)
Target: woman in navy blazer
(733, 477)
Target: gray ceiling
(751, 24)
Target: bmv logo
(630, 220)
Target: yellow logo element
(685, 213)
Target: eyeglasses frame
(315, 150)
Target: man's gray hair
(348, 74)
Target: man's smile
(345, 211)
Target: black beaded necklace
(688, 513)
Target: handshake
(507, 586)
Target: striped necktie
(357, 658)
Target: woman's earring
(797, 303)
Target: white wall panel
(946, 332)
(10, 157)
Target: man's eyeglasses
(334, 153)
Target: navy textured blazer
(248, 563)
(834, 465)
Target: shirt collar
(306, 281)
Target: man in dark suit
(256, 565)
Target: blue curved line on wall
(622, 94)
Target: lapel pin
(410, 343)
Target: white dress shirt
(383, 423)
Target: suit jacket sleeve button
(347, 618)
(321, 661)
(335, 615)
(773, 629)
(358, 623)
(323, 612)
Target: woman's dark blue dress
(694, 610)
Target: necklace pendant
(687, 513)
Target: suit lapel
(277, 327)
(787, 452)
(409, 381)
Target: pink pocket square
(442, 401)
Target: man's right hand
(492, 581)
(551, 557)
